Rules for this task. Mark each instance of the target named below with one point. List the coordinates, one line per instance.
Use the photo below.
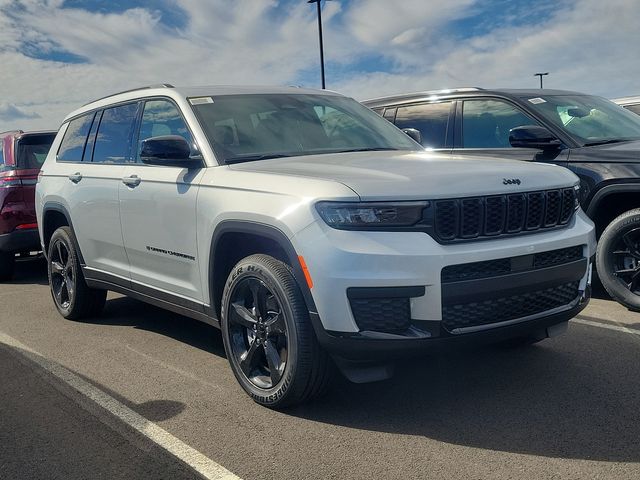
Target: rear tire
(618, 259)
(71, 295)
(268, 336)
(7, 265)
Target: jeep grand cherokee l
(21, 155)
(590, 135)
(310, 230)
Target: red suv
(21, 156)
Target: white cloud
(10, 112)
(588, 45)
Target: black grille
(471, 217)
(478, 217)
(516, 212)
(447, 213)
(535, 210)
(554, 207)
(503, 266)
(558, 257)
(473, 271)
(569, 199)
(381, 314)
(497, 310)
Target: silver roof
(189, 92)
(627, 100)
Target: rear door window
(75, 138)
(32, 150)
(115, 133)
(431, 119)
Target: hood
(418, 175)
(623, 152)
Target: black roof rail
(158, 85)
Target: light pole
(317, 2)
(541, 75)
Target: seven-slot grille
(478, 217)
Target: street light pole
(317, 2)
(541, 75)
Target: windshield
(33, 149)
(590, 120)
(256, 127)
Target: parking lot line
(192, 457)
(616, 328)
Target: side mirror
(533, 136)
(414, 134)
(169, 151)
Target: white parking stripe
(196, 460)
(617, 328)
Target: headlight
(371, 215)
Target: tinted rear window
(33, 149)
(113, 142)
(74, 140)
(431, 119)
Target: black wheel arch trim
(58, 207)
(607, 190)
(264, 230)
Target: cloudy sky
(58, 54)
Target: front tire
(618, 259)
(268, 336)
(71, 295)
(7, 264)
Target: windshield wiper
(368, 149)
(251, 158)
(606, 142)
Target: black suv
(593, 137)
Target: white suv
(310, 230)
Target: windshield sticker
(537, 100)
(200, 100)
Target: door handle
(75, 177)
(132, 181)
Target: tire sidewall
(63, 234)
(254, 268)
(605, 261)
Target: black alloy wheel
(268, 337)
(258, 333)
(618, 259)
(72, 296)
(626, 260)
(63, 275)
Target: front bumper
(341, 262)
(20, 241)
(381, 348)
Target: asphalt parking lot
(568, 408)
